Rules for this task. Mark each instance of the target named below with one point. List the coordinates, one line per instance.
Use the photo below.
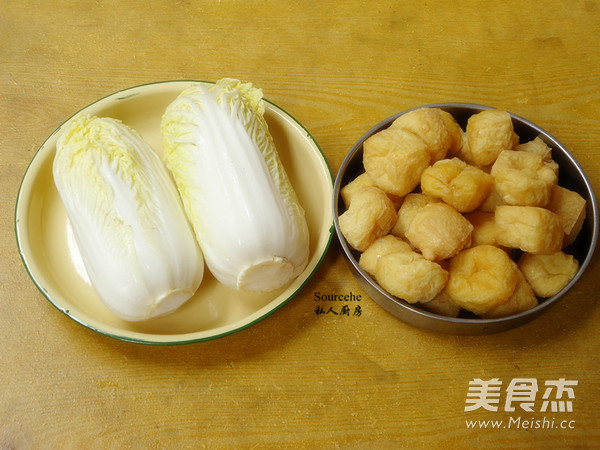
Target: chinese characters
(521, 393)
(343, 311)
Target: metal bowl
(571, 176)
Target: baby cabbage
(235, 191)
(133, 235)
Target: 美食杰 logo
(558, 395)
(521, 396)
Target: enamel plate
(52, 260)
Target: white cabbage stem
(241, 204)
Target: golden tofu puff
(548, 274)
(484, 228)
(481, 278)
(489, 132)
(348, 190)
(408, 210)
(570, 207)
(409, 276)
(522, 178)
(442, 305)
(457, 135)
(523, 299)
(552, 165)
(439, 231)
(363, 180)
(492, 201)
(539, 147)
(371, 215)
(464, 153)
(529, 228)
(395, 160)
(430, 125)
(381, 247)
(457, 183)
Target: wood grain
(296, 379)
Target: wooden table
(298, 379)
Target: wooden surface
(296, 379)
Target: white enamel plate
(52, 260)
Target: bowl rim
(490, 323)
(21, 208)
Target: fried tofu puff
(548, 274)
(570, 207)
(492, 201)
(489, 132)
(409, 276)
(484, 228)
(363, 180)
(522, 179)
(439, 231)
(529, 228)
(442, 305)
(457, 183)
(408, 210)
(348, 190)
(395, 160)
(464, 152)
(522, 299)
(457, 135)
(371, 215)
(481, 278)
(381, 247)
(539, 147)
(430, 125)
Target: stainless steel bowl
(571, 176)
